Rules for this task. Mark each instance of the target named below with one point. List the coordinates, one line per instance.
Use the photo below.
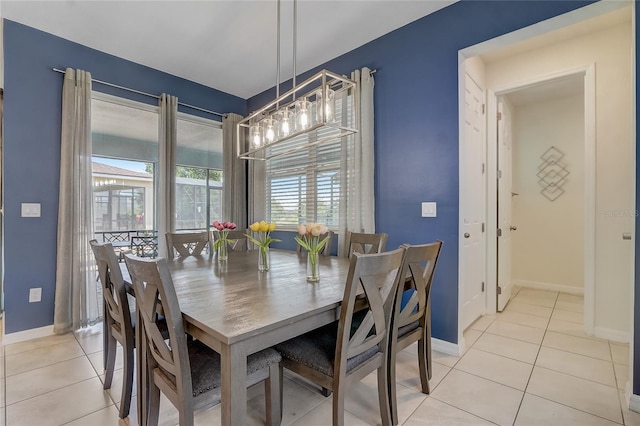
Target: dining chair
(344, 352)
(237, 239)
(357, 242)
(413, 323)
(186, 371)
(119, 327)
(326, 250)
(187, 243)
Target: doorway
(604, 41)
(542, 191)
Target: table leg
(233, 363)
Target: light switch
(429, 209)
(30, 209)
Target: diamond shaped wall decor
(552, 173)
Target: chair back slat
(156, 294)
(418, 270)
(378, 275)
(187, 243)
(364, 243)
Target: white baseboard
(633, 400)
(563, 288)
(22, 336)
(445, 347)
(610, 334)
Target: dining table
(236, 310)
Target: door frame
(554, 23)
(588, 71)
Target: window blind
(305, 185)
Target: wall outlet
(35, 294)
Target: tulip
(255, 227)
(272, 226)
(302, 230)
(316, 229)
(264, 226)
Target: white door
(505, 194)
(472, 199)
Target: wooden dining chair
(119, 327)
(185, 370)
(326, 250)
(237, 239)
(357, 344)
(357, 242)
(413, 323)
(187, 243)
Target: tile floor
(530, 365)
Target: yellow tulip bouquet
(262, 239)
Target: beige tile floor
(531, 365)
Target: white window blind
(305, 186)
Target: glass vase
(222, 250)
(263, 259)
(313, 267)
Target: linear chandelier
(320, 109)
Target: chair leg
(127, 382)
(281, 396)
(273, 395)
(393, 398)
(428, 338)
(112, 345)
(338, 406)
(383, 396)
(153, 406)
(422, 363)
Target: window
(125, 149)
(306, 185)
(198, 173)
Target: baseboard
(634, 402)
(22, 336)
(610, 334)
(549, 286)
(445, 347)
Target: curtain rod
(146, 94)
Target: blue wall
(32, 116)
(416, 125)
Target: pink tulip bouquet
(309, 239)
(220, 245)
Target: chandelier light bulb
(269, 129)
(302, 114)
(284, 123)
(325, 101)
(256, 135)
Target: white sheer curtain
(358, 211)
(167, 139)
(234, 175)
(77, 302)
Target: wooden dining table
(236, 310)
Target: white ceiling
(226, 44)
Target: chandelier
(320, 109)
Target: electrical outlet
(35, 294)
